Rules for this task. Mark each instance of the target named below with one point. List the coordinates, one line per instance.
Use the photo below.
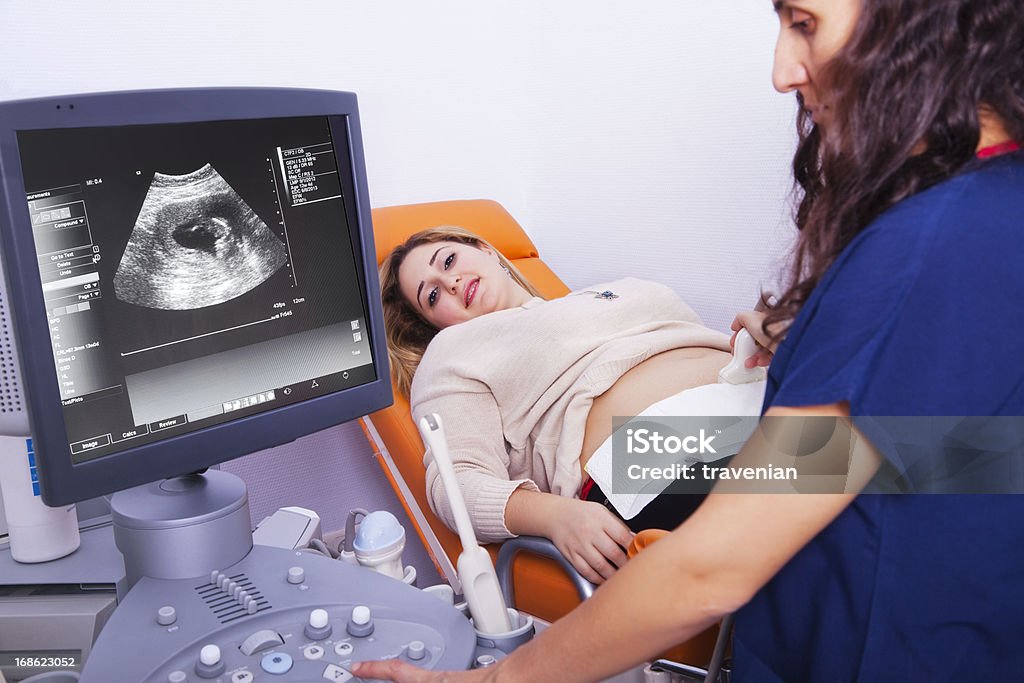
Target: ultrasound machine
(188, 277)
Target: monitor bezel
(62, 481)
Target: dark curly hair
(906, 94)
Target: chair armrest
(715, 673)
(537, 545)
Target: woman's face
(451, 282)
(811, 32)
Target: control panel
(278, 615)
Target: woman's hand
(586, 533)
(590, 537)
(752, 322)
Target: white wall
(629, 138)
(637, 138)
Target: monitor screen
(192, 275)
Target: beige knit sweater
(514, 387)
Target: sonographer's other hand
(403, 672)
(752, 322)
(590, 537)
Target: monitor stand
(182, 527)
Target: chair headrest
(392, 225)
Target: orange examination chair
(541, 585)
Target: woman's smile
(470, 292)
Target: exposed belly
(656, 378)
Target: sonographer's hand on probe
(752, 322)
(590, 537)
(403, 672)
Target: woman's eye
(432, 297)
(801, 21)
(449, 260)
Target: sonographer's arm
(709, 567)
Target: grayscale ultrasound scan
(195, 243)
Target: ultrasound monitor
(189, 277)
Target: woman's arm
(707, 568)
(586, 533)
(481, 462)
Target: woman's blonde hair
(407, 332)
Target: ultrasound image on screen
(195, 243)
(194, 295)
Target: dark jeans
(668, 510)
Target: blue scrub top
(922, 314)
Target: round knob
(210, 664)
(360, 624)
(165, 616)
(318, 627)
(484, 661)
(416, 650)
(296, 575)
(209, 655)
